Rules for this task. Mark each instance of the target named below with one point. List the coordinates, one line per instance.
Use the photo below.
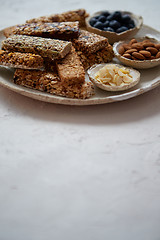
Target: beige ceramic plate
(150, 79)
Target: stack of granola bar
(53, 56)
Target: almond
(133, 58)
(121, 50)
(138, 46)
(146, 41)
(138, 56)
(130, 51)
(158, 55)
(157, 46)
(145, 53)
(153, 50)
(126, 46)
(127, 55)
(132, 41)
(148, 44)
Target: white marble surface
(76, 173)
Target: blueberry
(130, 26)
(106, 13)
(98, 25)
(126, 18)
(106, 24)
(132, 22)
(96, 17)
(110, 17)
(92, 21)
(102, 19)
(114, 24)
(121, 29)
(117, 15)
(109, 29)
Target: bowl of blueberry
(115, 25)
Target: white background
(79, 173)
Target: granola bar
(89, 42)
(21, 60)
(51, 48)
(70, 68)
(89, 59)
(60, 30)
(9, 31)
(51, 83)
(70, 16)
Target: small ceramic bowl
(94, 69)
(112, 36)
(136, 63)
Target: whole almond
(138, 46)
(126, 46)
(132, 41)
(130, 51)
(121, 50)
(127, 55)
(158, 55)
(145, 53)
(157, 46)
(153, 50)
(148, 44)
(133, 58)
(146, 41)
(138, 56)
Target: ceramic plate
(150, 78)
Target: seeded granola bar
(46, 47)
(89, 42)
(70, 68)
(60, 30)
(70, 16)
(89, 59)
(51, 83)
(21, 60)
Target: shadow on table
(131, 110)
